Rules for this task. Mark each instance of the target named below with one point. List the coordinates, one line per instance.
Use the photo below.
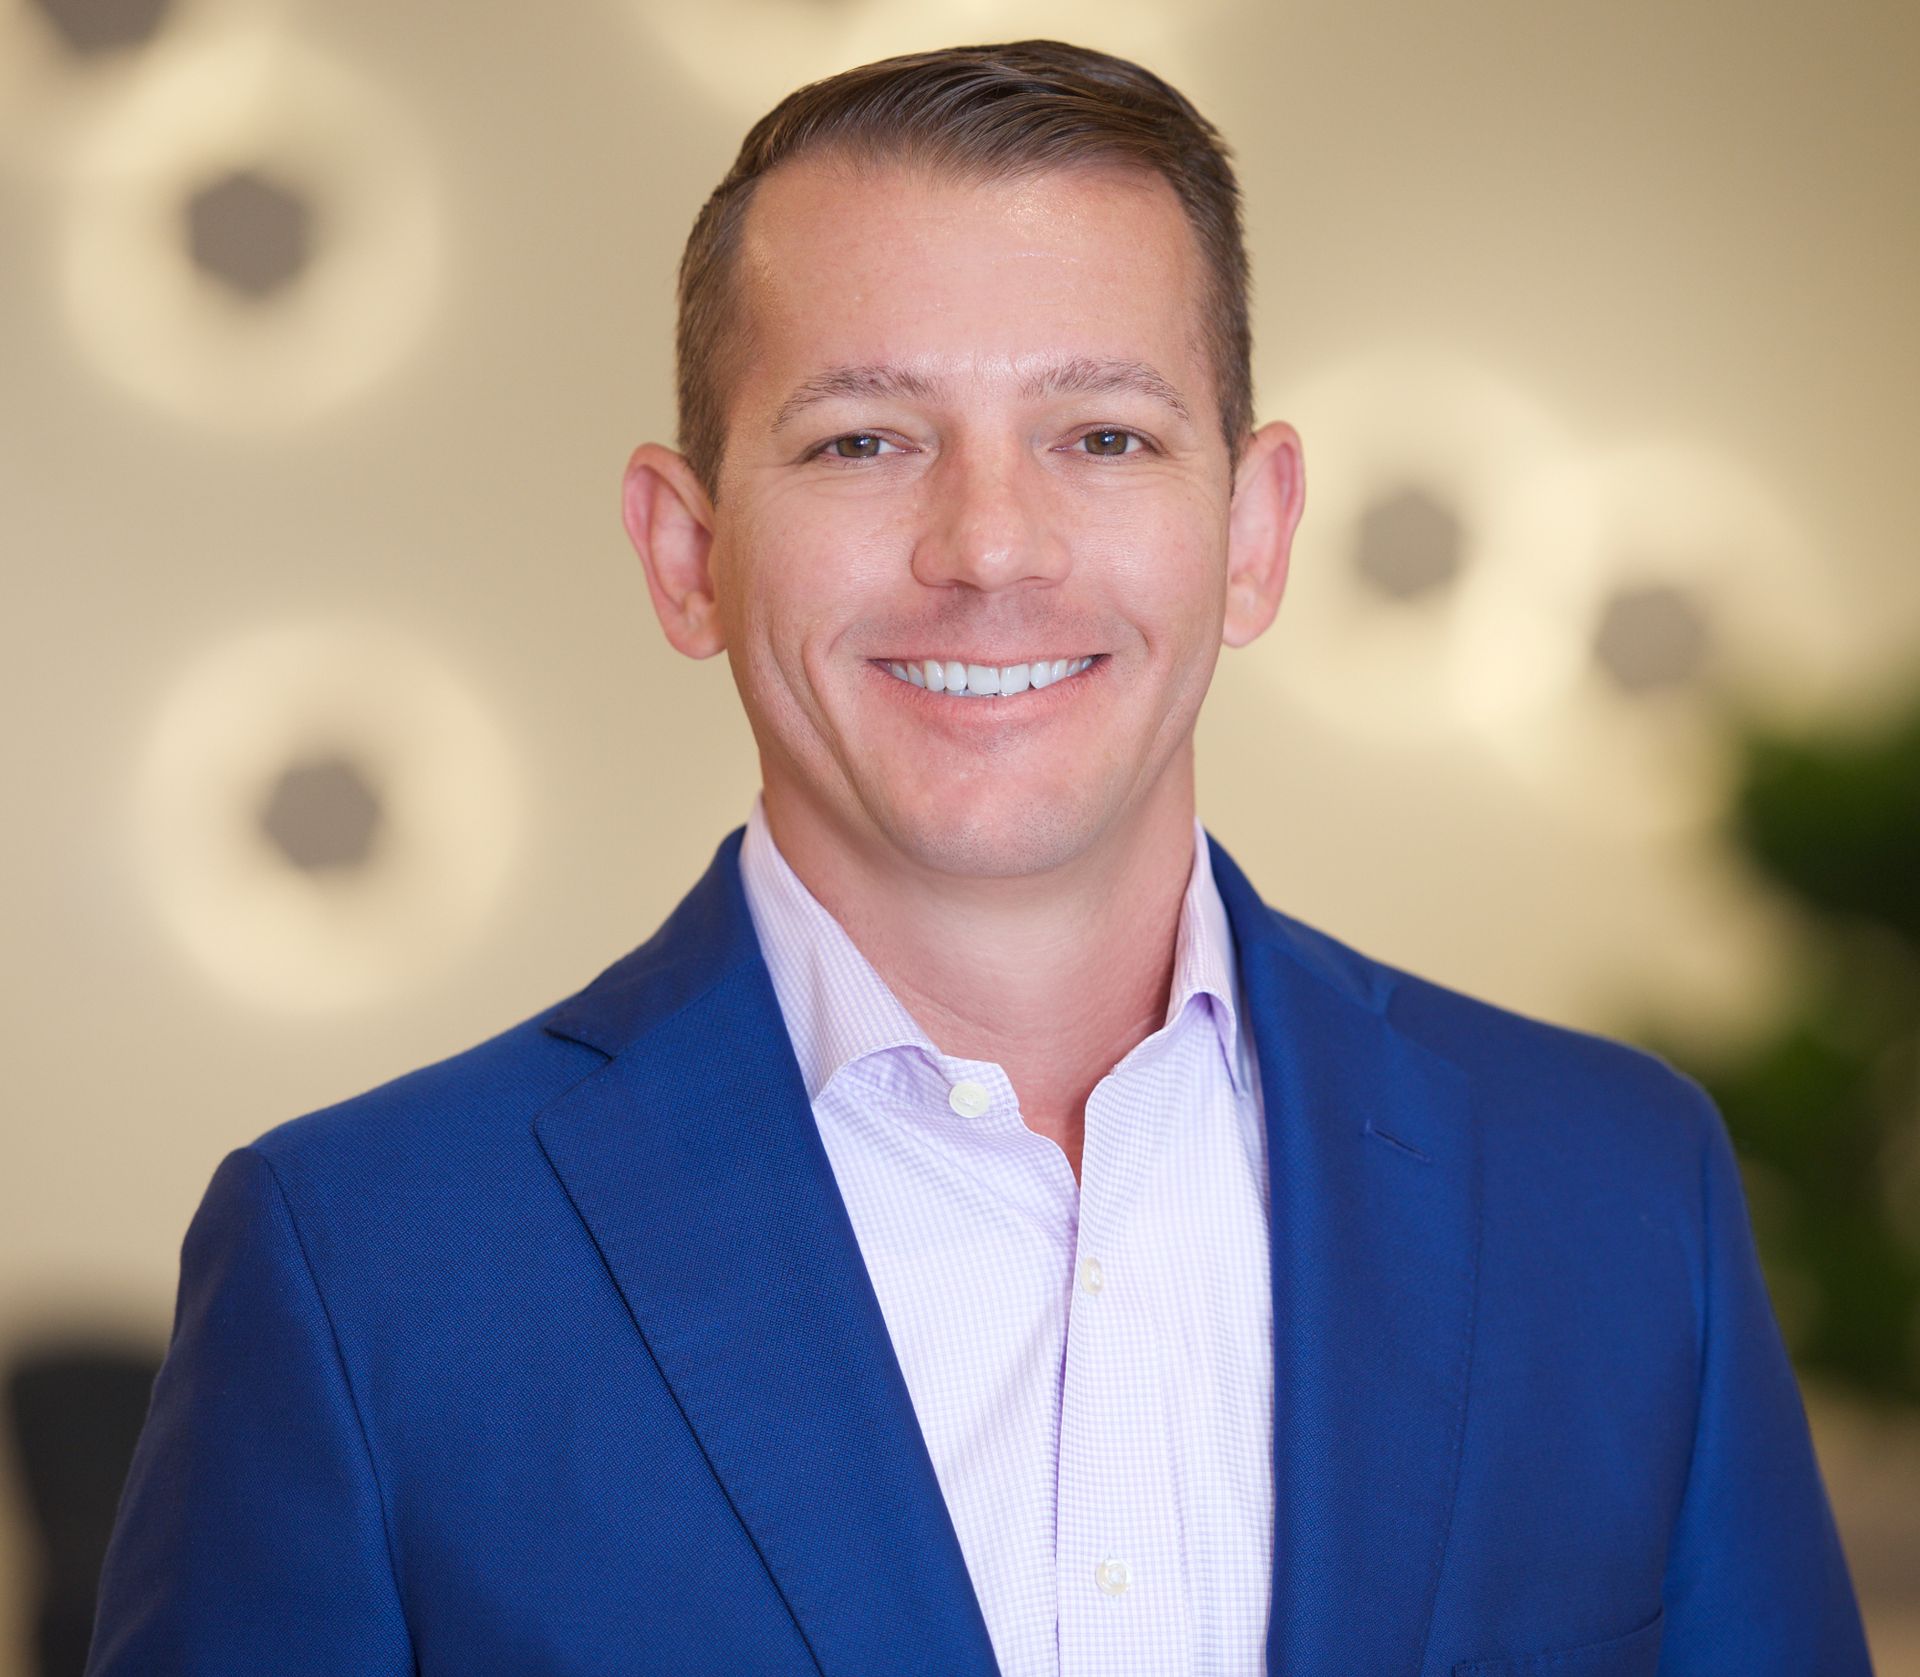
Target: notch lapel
(693, 1159)
(1373, 1166)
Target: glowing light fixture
(156, 211)
(1408, 453)
(1631, 601)
(746, 54)
(325, 815)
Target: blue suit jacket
(559, 1359)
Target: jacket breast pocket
(1637, 1654)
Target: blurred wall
(338, 730)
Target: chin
(979, 836)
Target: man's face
(975, 428)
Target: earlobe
(669, 520)
(1269, 495)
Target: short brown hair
(992, 111)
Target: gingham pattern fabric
(1091, 1364)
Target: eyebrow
(1077, 377)
(1082, 377)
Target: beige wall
(1632, 287)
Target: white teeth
(983, 680)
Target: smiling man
(976, 1232)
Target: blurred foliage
(1825, 1108)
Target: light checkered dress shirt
(1091, 1364)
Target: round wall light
(252, 237)
(326, 814)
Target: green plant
(1825, 1108)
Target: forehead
(845, 263)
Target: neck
(1060, 974)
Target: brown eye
(860, 446)
(1106, 441)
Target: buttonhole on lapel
(1421, 1154)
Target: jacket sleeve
(251, 1536)
(1756, 1585)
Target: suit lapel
(1374, 1176)
(693, 1158)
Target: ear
(669, 520)
(1269, 494)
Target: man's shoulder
(469, 1109)
(482, 1101)
(1532, 1079)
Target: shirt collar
(1204, 965)
(838, 1009)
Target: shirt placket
(1121, 1598)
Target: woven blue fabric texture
(559, 1359)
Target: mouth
(957, 678)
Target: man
(975, 1232)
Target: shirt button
(1112, 1576)
(1092, 1279)
(968, 1099)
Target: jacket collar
(1373, 1166)
(692, 1156)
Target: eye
(857, 445)
(1110, 440)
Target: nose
(990, 523)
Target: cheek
(1167, 574)
(812, 546)
(826, 561)
(795, 583)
